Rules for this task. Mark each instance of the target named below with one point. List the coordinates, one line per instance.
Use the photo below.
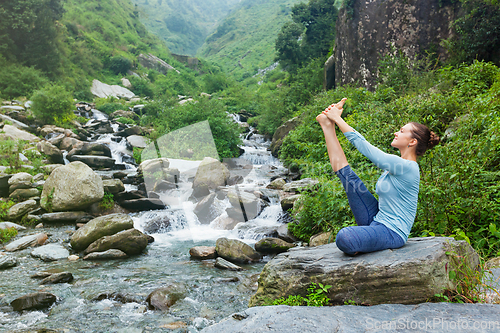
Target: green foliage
(141, 87)
(119, 65)
(9, 153)
(108, 105)
(17, 80)
(4, 208)
(107, 201)
(52, 105)
(7, 234)
(137, 152)
(127, 121)
(317, 297)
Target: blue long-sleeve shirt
(397, 187)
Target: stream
(212, 293)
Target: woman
(383, 224)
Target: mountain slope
(244, 41)
(183, 24)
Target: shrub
(119, 65)
(7, 234)
(52, 105)
(17, 80)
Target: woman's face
(403, 137)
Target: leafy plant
(317, 297)
(7, 234)
(4, 208)
(53, 104)
(107, 201)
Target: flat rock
(142, 204)
(50, 252)
(106, 255)
(38, 301)
(26, 241)
(64, 217)
(7, 225)
(7, 261)
(203, 252)
(408, 275)
(235, 250)
(94, 161)
(426, 317)
(130, 241)
(224, 264)
(63, 277)
(272, 245)
(104, 90)
(137, 141)
(298, 185)
(24, 193)
(15, 133)
(113, 185)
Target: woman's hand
(334, 111)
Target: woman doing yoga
(383, 224)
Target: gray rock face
(163, 298)
(427, 317)
(50, 252)
(104, 90)
(236, 251)
(409, 275)
(153, 62)
(26, 241)
(100, 227)
(71, 187)
(204, 209)
(63, 217)
(203, 252)
(7, 262)
(24, 193)
(130, 241)
(18, 210)
(6, 225)
(224, 264)
(52, 152)
(281, 133)
(33, 301)
(111, 254)
(137, 141)
(15, 133)
(142, 204)
(272, 245)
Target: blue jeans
(368, 236)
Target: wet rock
(117, 297)
(34, 301)
(130, 241)
(277, 184)
(408, 275)
(203, 252)
(53, 153)
(24, 194)
(163, 298)
(285, 234)
(246, 203)
(94, 161)
(321, 239)
(113, 186)
(288, 202)
(236, 251)
(7, 261)
(56, 141)
(71, 187)
(272, 245)
(157, 225)
(100, 227)
(7, 225)
(92, 149)
(224, 223)
(64, 217)
(201, 191)
(299, 185)
(63, 277)
(97, 209)
(122, 196)
(41, 275)
(143, 204)
(137, 141)
(211, 173)
(68, 143)
(26, 241)
(164, 185)
(50, 252)
(204, 210)
(224, 264)
(111, 254)
(134, 130)
(19, 210)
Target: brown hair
(426, 139)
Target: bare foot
(323, 120)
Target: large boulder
(38, 301)
(236, 251)
(99, 227)
(14, 133)
(71, 187)
(408, 275)
(247, 204)
(427, 317)
(130, 241)
(104, 90)
(93, 148)
(211, 173)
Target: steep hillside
(244, 42)
(183, 24)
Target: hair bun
(433, 140)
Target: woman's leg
(375, 237)
(335, 152)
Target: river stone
(14, 133)
(224, 264)
(163, 298)
(50, 167)
(242, 200)
(203, 252)
(272, 245)
(38, 301)
(73, 186)
(18, 210)
(53, 153)
(130, 241)
(63, 277)
(153, 165)
(20, 177)
(113, 185)
(94, 161)
(100, 227)
(211, 173)
(204, 210)
(165, 185)
(277, 184)
(26, 241)
(64, 217)
(117, 297)
(50, 252)
(288, 202)
(142, 204)
(298, 185)
(392, 318)
(56, 141)
(137, 141)
(7, 225)
(106, 255)
(90, 148)
(24, 194)
(7, 261)
(20, 185)
(408, 275)
(159, 224)
(68, 143)
(321, 239)
(285, 234)
(236, 251)
(224, 223)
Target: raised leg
(335, 152)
